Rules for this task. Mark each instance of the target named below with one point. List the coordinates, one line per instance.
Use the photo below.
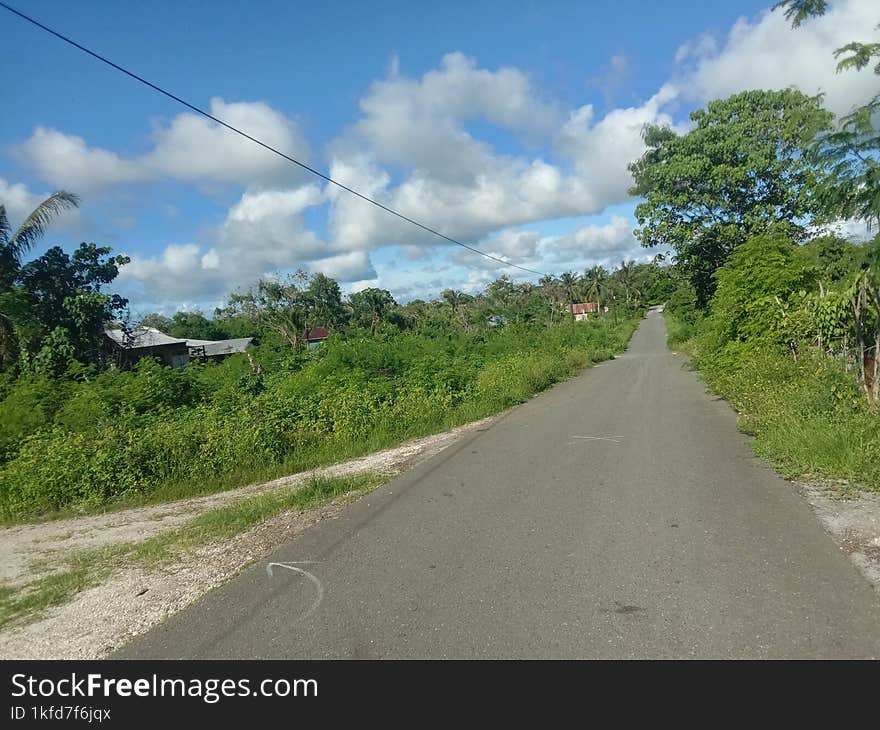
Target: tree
(67, 308)
(157, 321)
(324, 302)
(754, 285)
(196, 326)
(596, 284)
(13, 247)
(738, 173)
(569, 281)
(276, 305)
(371, 306)
(853, 188)
(455, 300)
(626, 277)
(288, 307)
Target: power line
(304, 166)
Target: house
(315, 336)
(496, 320)
(582, 310)
(130, 346)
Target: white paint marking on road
(318, 585)
(615, 439)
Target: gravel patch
(851, 518)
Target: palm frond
(38, 221)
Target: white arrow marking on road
(615, 439)
(318, 586)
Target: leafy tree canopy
(739, 171)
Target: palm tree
(626, 277)
(597, 284)
(569, 282)
(456, 301)
(14, 246)
(551, 291)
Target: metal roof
(142, 337)
(222, 347)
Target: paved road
(620, 514)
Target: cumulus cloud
(605, 244)
(766, 53)
(190, 147)
(18, 200)
(263, 233)
(611, 242)
(66, 161)
(460, 185)
(601, 150)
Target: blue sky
(508, 125)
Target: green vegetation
(159, 433)
(87, 568)
(91, 436)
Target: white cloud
(66, 161)
(18, 200)
(766, 53)
(601, 150)
(515, 244)
(190, 147)
(600, 244)
(263, 232)
(460, 185)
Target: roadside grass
(807, 418)
(678, 332)
(86, 568)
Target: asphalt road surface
(620, 514)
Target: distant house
(580, 311)
(496, 320)
(130, 346)
(315, 336)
